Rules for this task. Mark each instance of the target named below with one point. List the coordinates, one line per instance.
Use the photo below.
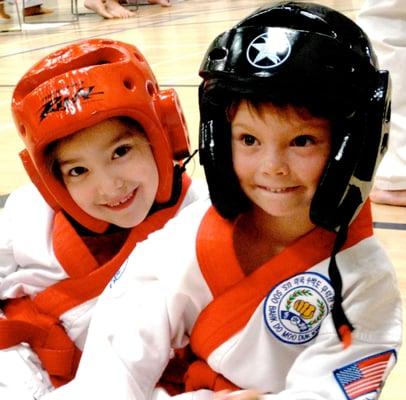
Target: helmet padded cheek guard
(225, 192)
(81, 85)
(174, 121)
(348, 176)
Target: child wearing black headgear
(279, 286)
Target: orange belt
(26, 324)
(201, 376)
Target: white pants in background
(384, 21)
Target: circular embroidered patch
(295, 308)
(269, 50)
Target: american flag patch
(365, 378)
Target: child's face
(110, 172)
(279, 155)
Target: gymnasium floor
(174, 41)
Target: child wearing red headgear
(278, 284)
(104, 150)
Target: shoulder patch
(295, 308)
(364, 379)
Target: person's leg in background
(116, 8)
(385, 23)
(108, 8)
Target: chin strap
(179, 169)
(183, 167)
(342, 324)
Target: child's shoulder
(27, 200)
(168, 253)
(190, 216)
(179, 233)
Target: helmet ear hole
(139, 56)
(22, 130)
(388, 112)
(386, 125)
(151, 88)
(384, 145)
(218, 53)
(129, 84)
(175, 124)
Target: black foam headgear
(309, 55)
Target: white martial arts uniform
(28, 265)
(252, 333)
(384, 21)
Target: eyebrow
(121, 136)
(241, 124)
(62, 163)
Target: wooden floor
(174, 41)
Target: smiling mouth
(122, 203)
(279, 190)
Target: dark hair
(50, 153)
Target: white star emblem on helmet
(268, 50)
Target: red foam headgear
(81, 85)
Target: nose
(273, 162)
(108, 183)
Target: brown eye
(248, 140)
(121, 151)
(303, 140)
(77, 171)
